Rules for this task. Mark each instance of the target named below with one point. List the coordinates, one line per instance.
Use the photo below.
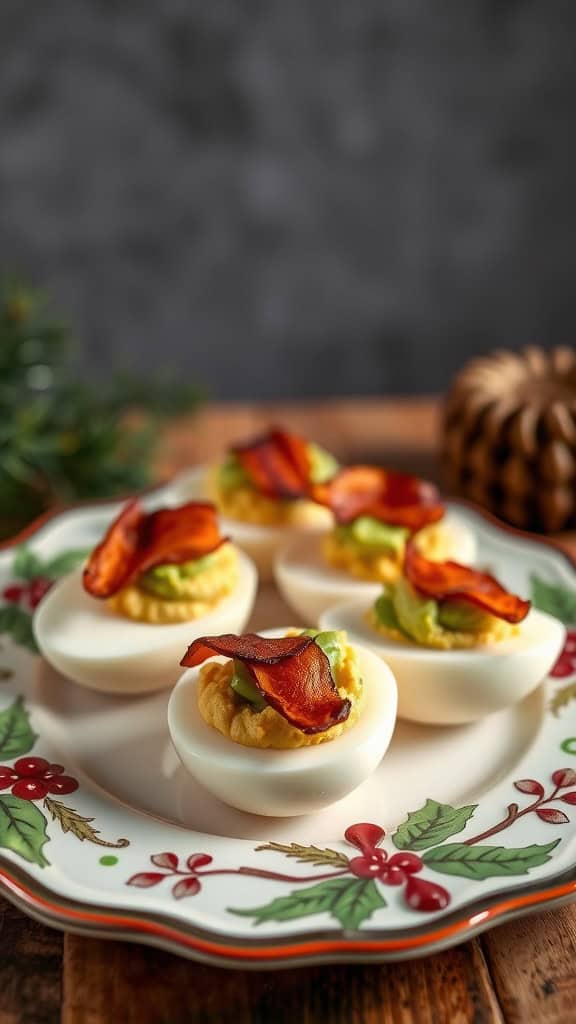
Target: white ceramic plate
(138, 850)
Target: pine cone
(509, 436)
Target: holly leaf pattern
(430, 825)
(479, 862)
(350, 900)
(18, 623)
(26, 565)
(16, 735)
(81, 827)
(554, 599)
(23, 829)
(562, 697)
(64, 563)
(308, 854)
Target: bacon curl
(138, 540)
(277, 464)
(292, 673)
(451, 581)
(393, 498)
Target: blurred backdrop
(293, 197)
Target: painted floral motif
(560, 602)
(32, 781)
(352, 890)
(31, 579)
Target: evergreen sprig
(61, 437)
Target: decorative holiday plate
(102, 832)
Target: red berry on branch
(422, 895)
(529, 786)
(30, 789)
(369, 866)
(14, 593)
(37, 589)
(53, 769)
(408, 862)
(364, 836)
(198, 860)
(392, 875)
(60, 784)
(563, 667)
(564, 777)
(33, 767)
(7, 776)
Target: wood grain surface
(519, 973)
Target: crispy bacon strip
(138, 540)
(449, 580)
(277, 464)
(393, 498)
(292, 673)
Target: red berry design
(37, 590)
(60, 784)
(408, 862)
(7, 776)
(53, 769)
(33, 767)
(566, 664)
(14, 593)
(369, 866)
(426, 896)
(30, 789)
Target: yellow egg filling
(435, 542)
(197, 596)
(229, 714)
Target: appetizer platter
(281, 711)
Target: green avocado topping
(245, 687)
(232, 475)
(175, 581)
(399, 607)
(331, 642)
(369, 534)
(323, 465)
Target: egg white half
(90, 644)
(310, 585)
(260, 542)
(457, 686)
(285, 782)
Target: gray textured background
(295, 196)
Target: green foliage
(16, 735)
(350, 900)
(432, 824)
(479, 862)
(23, 829)
(64, 437)
(554, 599)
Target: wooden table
(521, 972)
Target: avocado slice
(232, 475)
(370, 534)
(462, 617)
(175, 581)
(331, 642)
(245, 687)
(418, 617)
(323, 465)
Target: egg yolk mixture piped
(269, 481)
(446, 605)
(291, 714)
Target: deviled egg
(459, 644)
(376, 513)
(155, 580)
(262, 490)
(283, 723)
